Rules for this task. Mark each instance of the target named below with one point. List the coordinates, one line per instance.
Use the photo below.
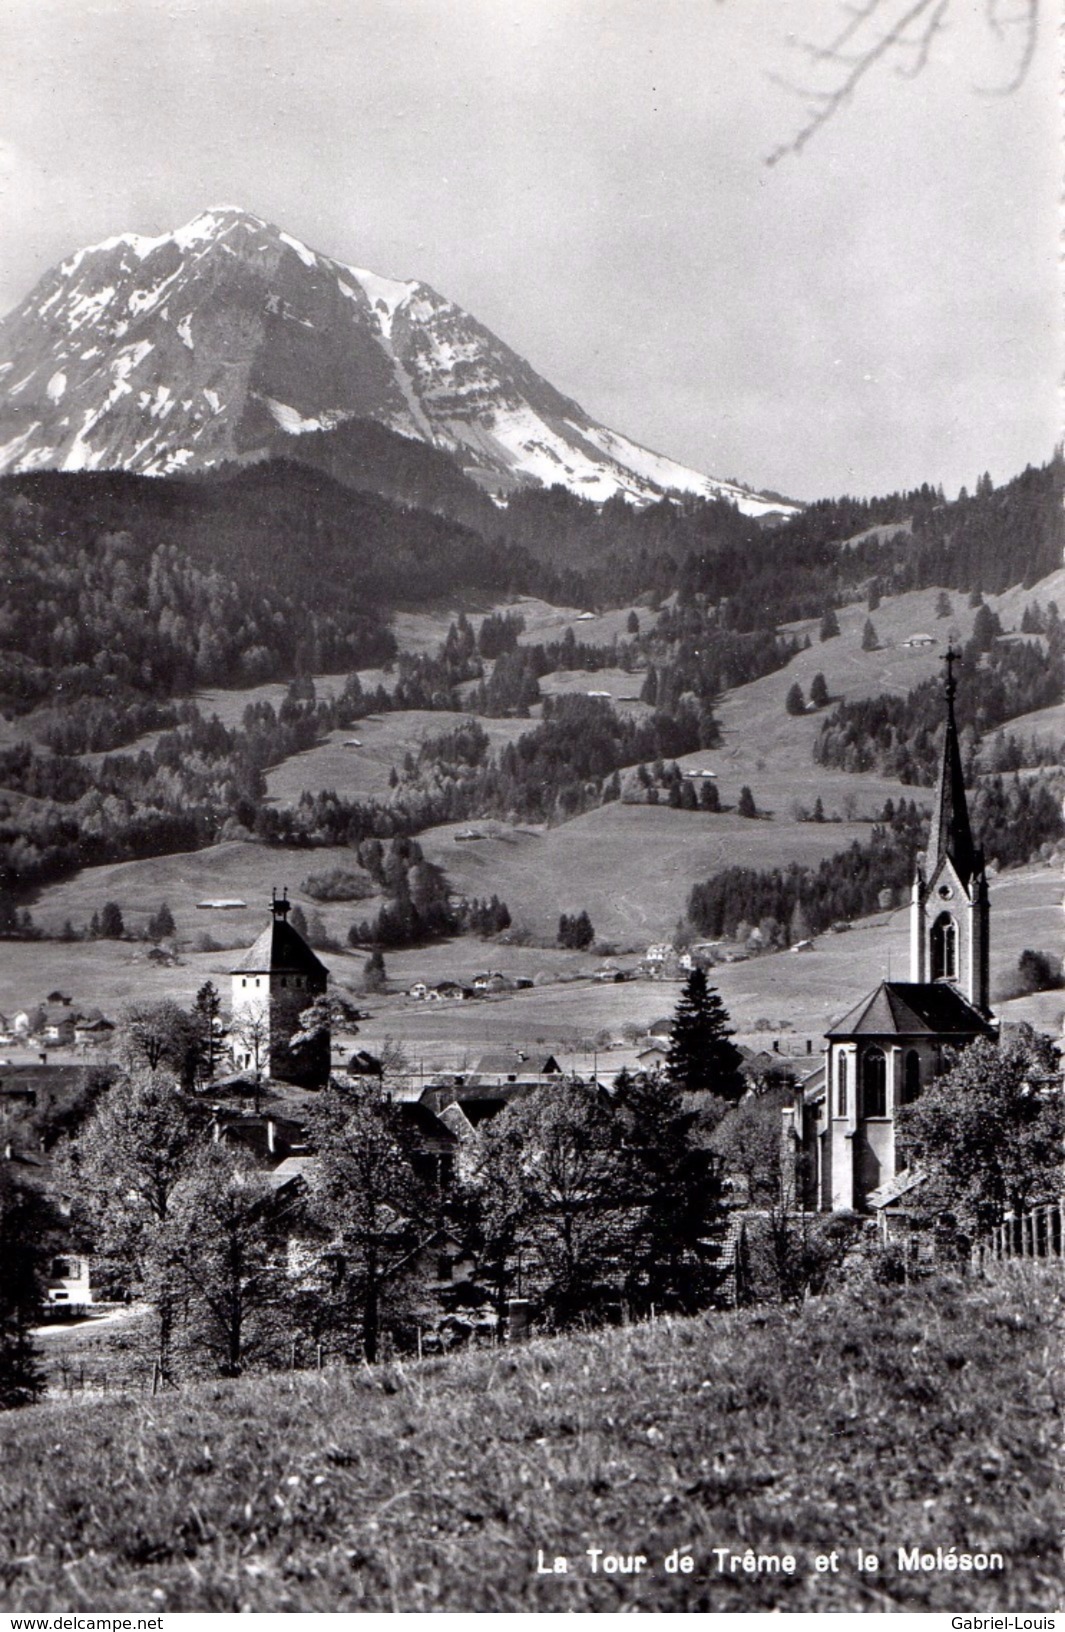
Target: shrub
(1038, 971)
(340, 884)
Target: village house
(506, 1066)
(363, 1064)
(69, 1282)
(95, 1030)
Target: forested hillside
(122, 584)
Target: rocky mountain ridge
(215, 341)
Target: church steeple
(950, 834)
(949, 911)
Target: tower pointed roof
(280, 949)
(951, 834)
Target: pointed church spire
(950, 834)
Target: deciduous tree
(988, 1134)
(368, 1198)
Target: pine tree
(161, 924)
(870, 639)
(112, 927)
(675, 1193)
(829, 624)
(709, 798)
(818, 690)
(374, 977)
(206, 1011)
(794, 702)
(747, 806)
(701, 1056)
(27, 1233)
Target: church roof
(912, 1009)
(950, 833)
(280, 949)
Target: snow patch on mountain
(307, 256)
(295, 423)
(386, 295)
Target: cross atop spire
(280, 905)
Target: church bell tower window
(911, 1077)
(874, 1083)
(944, 948)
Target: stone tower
(949, 905)
(274, 982)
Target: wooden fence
(1037, 1233)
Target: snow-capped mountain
(175, 353)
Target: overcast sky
(587, 177)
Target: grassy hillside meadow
(630, 866)
(363, 772)
(859, 1421)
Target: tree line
(1013, 821)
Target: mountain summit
(208, 343)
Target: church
(881, 1054)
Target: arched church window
(874, 1083)
(911, 1077)
(944, 948)
(842, 1069)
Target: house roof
(814, 1086)
(280, 949)
(363, 1064)
(457, 1122)
(895, 1188)
(912, 1009)
(502, 1064)
(422, 1121)
(293, 1167)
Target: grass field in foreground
(909, 1418)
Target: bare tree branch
(876, 30)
